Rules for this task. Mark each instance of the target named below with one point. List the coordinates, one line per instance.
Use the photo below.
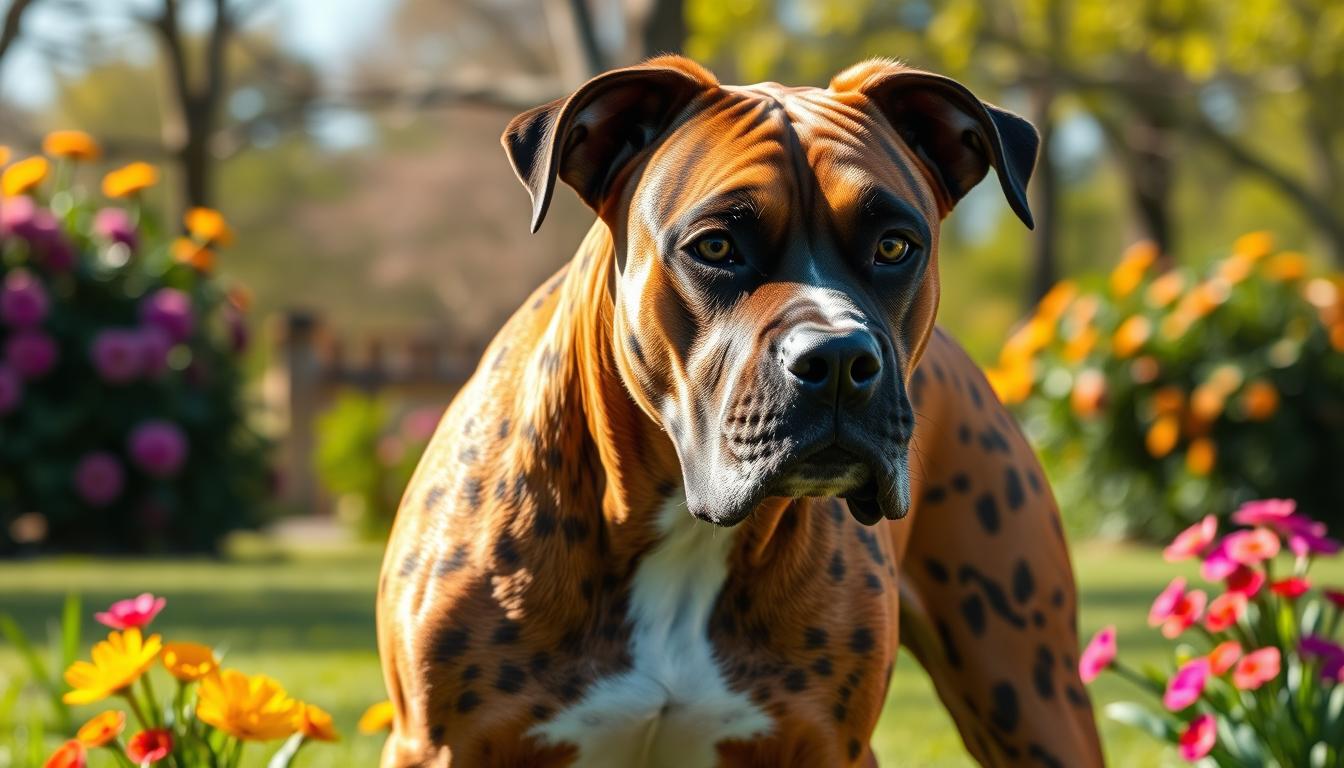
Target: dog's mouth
(874, 487)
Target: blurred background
(376, 239)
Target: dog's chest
(672, 705)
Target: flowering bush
(1169, 393)
(1267, 686)
(212, 714)
(121, 418)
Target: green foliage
(64, 649)
(366, 458)
(117, 369)
(1167, 395)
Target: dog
(719, 466)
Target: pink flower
(1192, 541)
(418, 426)
(22, 218)
(158, 447)
(23, 300)
(1217, 564)
(1166, 602)
(1185, 687)
(1256, 668)
(1253, 546)
(170, 310)
(1291, 588)
(1225, 611)
(154, 348)
(11, 389)
(132, 612)
(99, 478)
(1246, 581)
(1305, 536)
(32, 354)
(1188, 612)
(1223, 656)
(1198, 738)
(15, 214)
(1271, 512)
(117, 355)
(114, 225)
(1098, 654)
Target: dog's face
(778, 261)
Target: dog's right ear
(587, 138)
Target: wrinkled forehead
(775, 151)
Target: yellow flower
(1200, 456)
(188, 251)
(1165, 289)
(1027, 340)
(1289, 265)
(1253, 246)
(1260, 400)
(1056, 300)
(209, 226)
(130, 179)
(1234, 269)
(118, 662)
(4, 154)
(1133, 264)
(1080, 346)
(376, 718)
(102, 729)
(1162, 436)
(76, 145)
(252, 708)
(1131, 335)
(21, 177)
(314, 723)
(189, 662)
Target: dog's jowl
(710, 474)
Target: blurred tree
(10, 27)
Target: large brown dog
(650, 531)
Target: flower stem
(154, 707)
(135, 708)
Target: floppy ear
(957, 136)
(587, 138)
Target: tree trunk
(9, 31)
(1044, 199)
(1151, 169)
(664, 27)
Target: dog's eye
(714, 248)
(892, 249)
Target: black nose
(833, 365)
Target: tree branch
(9, 32)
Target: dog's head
(777, 254)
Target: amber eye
(714, 248)
(892, 249)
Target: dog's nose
(833, 365)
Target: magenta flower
(1198, 738)
(11, 389)
(1218, 565)
(1309, 542)
(1185, 687)
(1253, 546)
(22, 218)
(1166, 602)
(1336, 598)
(1319, 647)
(133, 612)
(117, 355)
(169, 310)
(114, 225)
(1246, 581)
(99, 478)
(1098, 654)
(1256, 668)
(16, 214)
(154, 348)
(159, 448)
(23, 300)
(31, 353)
(1192, 541)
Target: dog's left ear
(588, 138)
(957, 136)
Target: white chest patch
(672, 706)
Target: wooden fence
(310, 364)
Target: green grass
(308, 620)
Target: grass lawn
(308, 620)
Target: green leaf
(70, 629)
(1138, 716)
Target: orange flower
(102, 729)
(1337, 337)
(1168, 401)
(1206, 402)
(1260, 400)
(1289, 265)
(1089, 393)
(75, 145)
(1027, 340)
(1133, 264)
(130, 179)
(1131, 335)
(1165, 289)
(189, 662)
(1081, 345)
(1200, 456)
(1056, 300)
(71, 755)
(4, 154)
(1162, 436)
(1012, 382)
(1234, 269)
(376, 718)
(21, 177)
(1253, 246)
(188, 251)
(209, 226)
(252, 708)
(314, 723)
(1145, 369)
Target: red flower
(1256, 668)
(1247, 581)
(132, 612)
(72, 754)
(1225, 611)
(1291, 588)
(1192, 541)
(1198, 738)
(150, 746)
(1098, 654)
(1336, 597)
(1188, 611)
(1166, 602)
